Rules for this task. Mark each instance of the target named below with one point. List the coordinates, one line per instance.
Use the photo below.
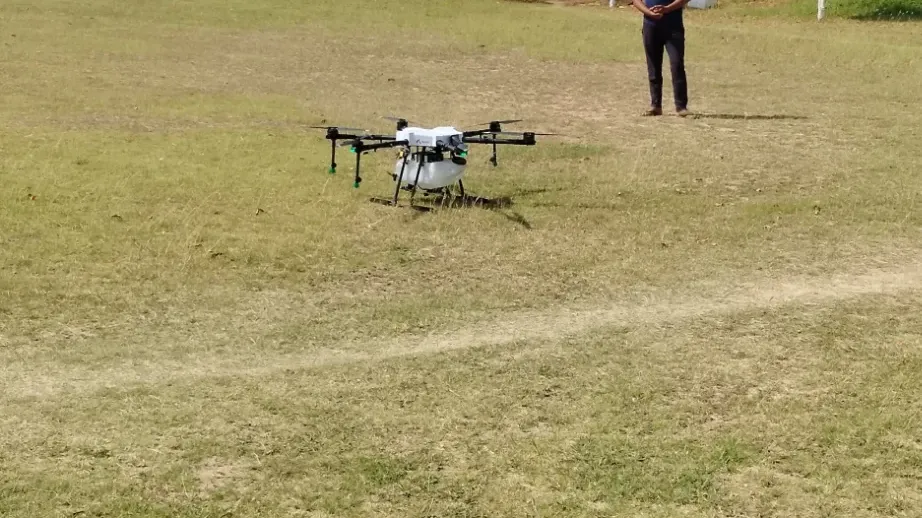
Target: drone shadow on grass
(414, 206)
(499, 204)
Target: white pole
(820, 9)
(611, 3)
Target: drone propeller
(401, 122)
(509, 121)
(494, 126)
(339, 128)
(521, 133)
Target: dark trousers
(655, 39)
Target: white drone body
(437, 170)
(444, 136)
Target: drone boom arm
(333, 134)
(527, 139)
(489, 137)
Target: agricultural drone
(421, 159)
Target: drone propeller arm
(475, 133)
(333, 135)
(361, 147)
(490, 137)
(379, 138)
(527, 139)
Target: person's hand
(656, 12)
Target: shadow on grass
(498, 204)
(736, 116)
(891, 11)
(589, 206)
(468, 201)
(440, 201)
(415, 206)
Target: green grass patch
(862, 10)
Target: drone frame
(481, 136)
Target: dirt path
(654, 310)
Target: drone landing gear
(400, 178)
(413, 186)
(419, 169)
(399, 181)
(444, 193)
(493, 156)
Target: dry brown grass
(714, 316)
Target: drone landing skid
(442, 192)
(390, 203)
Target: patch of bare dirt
(215, 474)
(648, 310)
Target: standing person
(663, 28)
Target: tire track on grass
(652, 309)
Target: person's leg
(675, 46)
(653, 48)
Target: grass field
(712, 316)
